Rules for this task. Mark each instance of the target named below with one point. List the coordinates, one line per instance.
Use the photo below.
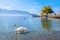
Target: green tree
(49, 9)
(46, 10)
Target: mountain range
(3, 11)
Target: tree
(46, 10)
(49, 9)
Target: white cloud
(8, 7)
(34, 9)
(56, 9)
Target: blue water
(33, 24)
(7, 23)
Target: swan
(20, 29)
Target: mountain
(3, 11)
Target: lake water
(37, 28)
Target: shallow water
(37, 28)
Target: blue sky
(32, 6)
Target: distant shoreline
(57, 16)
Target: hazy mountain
(3, 11)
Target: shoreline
(51, 16)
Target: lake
(37, 28)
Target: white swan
(20, 29)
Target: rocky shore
(55, 35)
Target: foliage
(46, 10)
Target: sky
(32, 6)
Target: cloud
(34, 9)
(8, 7)
(56, 9)
(31, 7)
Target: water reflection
(46, 24)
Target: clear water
(35, 27)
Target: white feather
(20, 29)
